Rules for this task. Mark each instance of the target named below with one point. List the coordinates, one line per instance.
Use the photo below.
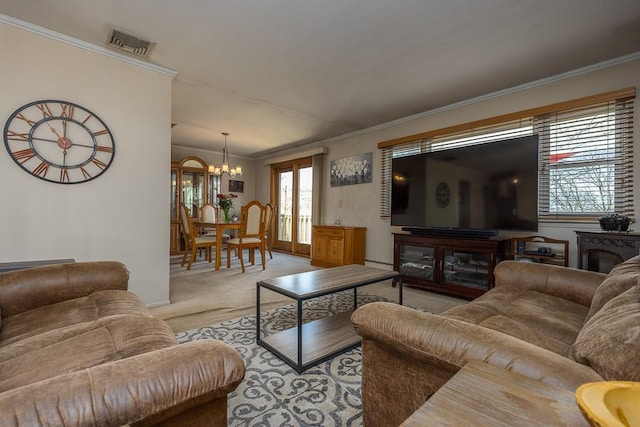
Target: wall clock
(59, 141)
(442, 194)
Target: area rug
(272, 393)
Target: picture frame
(352, 170)
(236, 186)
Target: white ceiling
(277, 73)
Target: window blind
(585, 153)
(586, 161)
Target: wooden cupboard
(335, 245)
(192, 185)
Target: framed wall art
(352, 170)
(236, 186)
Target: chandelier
(233, 172)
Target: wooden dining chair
(208, 213)
(192, 240)
(269, 215)
(251, 236)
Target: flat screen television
(475, 190)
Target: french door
(292, 191)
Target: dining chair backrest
(268, 217)
(186, 221)
(208, 213)
(253, 219)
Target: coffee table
(308, 344)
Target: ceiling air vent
(129, 43)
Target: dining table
(219, 226)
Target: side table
(484, 395)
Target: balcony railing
(285, 223)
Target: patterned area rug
(272, 393)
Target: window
(586, 161)
(214, 189)
(586, 153)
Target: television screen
(490, 186)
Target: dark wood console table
(451, 265)
(601, 250)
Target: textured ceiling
(288, 72)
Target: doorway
(292, 193)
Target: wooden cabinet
(334, 245)
(540, 249)
(192, 185)
(451, 265)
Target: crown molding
(36, 29)
(541, 82)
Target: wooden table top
(316, 283)
(485, 395)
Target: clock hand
(54, 130)
(44, 139)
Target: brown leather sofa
(78, 349)
(559, 325)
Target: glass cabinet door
(416, 261)
(174, 194)
(193, 191)
(466, 268)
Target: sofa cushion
(111, 339)
(70, 313)
(622, 277)
(609, 342)
(542, 319)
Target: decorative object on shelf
(443, 194)
(352, 170)
(59, 141)
(614, 222)
(233, 172)
(235, 218)
(225, 201)
(236, 186)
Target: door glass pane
(285, 184)
(416, 261)
(469, 269)
(193, 191)
(305, 193)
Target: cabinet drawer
(330, 232)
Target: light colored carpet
(202, 296)
(273, 394)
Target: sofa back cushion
(622, 277)
(609, 342)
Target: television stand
(471, 233)
(460, 266)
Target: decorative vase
(226, 214)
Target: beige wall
(360, 202)
(124, 214)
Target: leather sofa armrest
(128, 390)
(568, 283)
(448, 344)
(24, 290)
